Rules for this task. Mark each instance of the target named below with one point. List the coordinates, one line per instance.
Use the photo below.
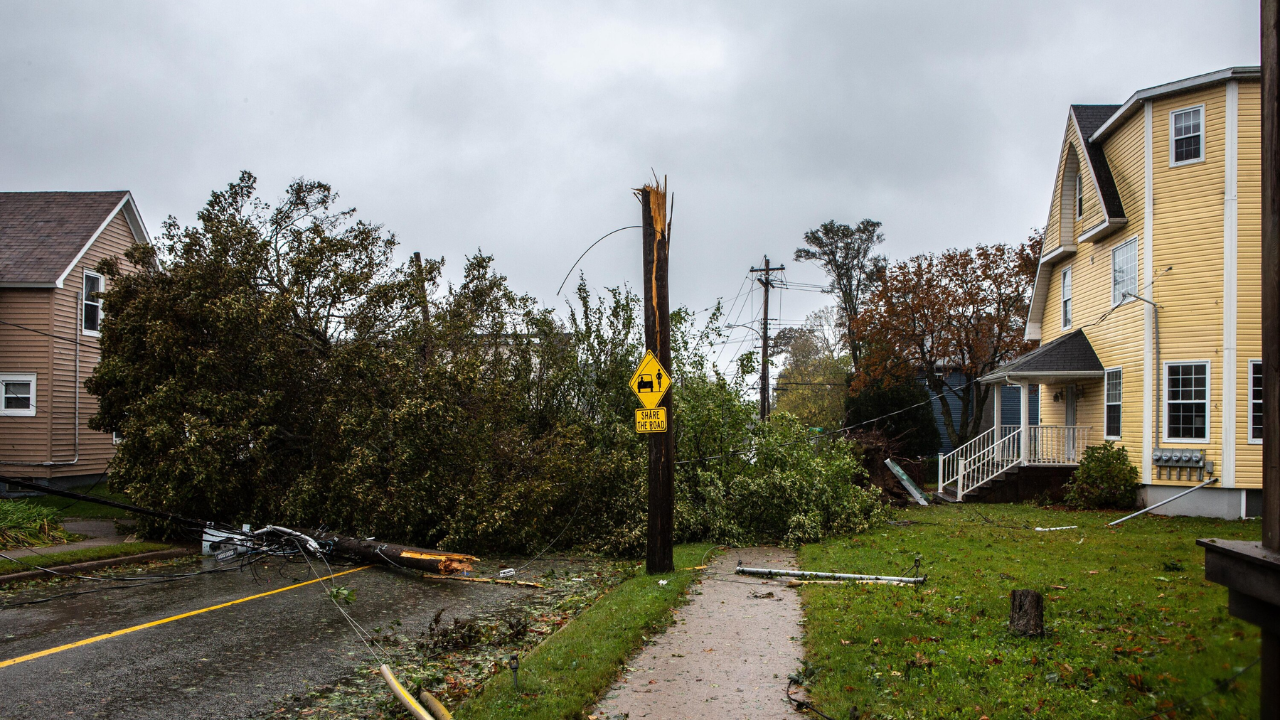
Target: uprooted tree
(277, 366)
(957, 312)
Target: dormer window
(1079, 196)
(1186, 136)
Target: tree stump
(1026, 613)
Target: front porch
(986, 458)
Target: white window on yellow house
(1186, 141)
(1066, 298)
(1124, 272)
(1114, 392)
(1255, 401)
(1079, 196)
(1186, 388)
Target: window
(1066, 298)
(19, 395)
(1114, 393)
(1124, 272)
(1079, 196)
(1186, 388)
(1255, 401)
(92, 303)
(1186, 143)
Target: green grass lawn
(67, 507)
(1132, 627)
(570, 669)
(53, 559)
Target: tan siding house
(1147, 299)
(50, 243)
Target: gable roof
(1135, 101)
(1088, 119)
(1068, 357)
(44, 234)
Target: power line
(833, 432)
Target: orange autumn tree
(960, 311)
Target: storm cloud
(519, 128)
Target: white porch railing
(1057, 444)
(980, 460)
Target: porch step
(1020, 484)
(946, 496)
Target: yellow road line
(153, 623)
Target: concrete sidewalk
(97, 534)
(727, 657)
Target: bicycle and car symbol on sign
(650, 383)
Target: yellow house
(1147, 300)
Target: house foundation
(1214, 502)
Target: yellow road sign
(650, 381)
(651, 421)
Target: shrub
(23, 524)
(1105, 479)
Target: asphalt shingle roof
(42, 232)
(1071, 353)
(1089, 118)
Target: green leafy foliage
(786, 490)
(272, 364)
(342, 594)
(23, 524)
(1104, 479)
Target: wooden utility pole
(766, 282)
(1251, 570)
(1271, 339)
(1271, 275)
(660, 552)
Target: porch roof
(1063, 359)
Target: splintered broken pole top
(650, 382)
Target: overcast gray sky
(519, 128)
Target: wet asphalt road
(234, 662)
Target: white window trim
(18, 377)
(1208, 402)
(1065, 278)
(1119, 369)
(84, 298)
(1204, 150)
(1137, 280)
(1248, 427)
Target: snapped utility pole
(766, 282)
(660, 550)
